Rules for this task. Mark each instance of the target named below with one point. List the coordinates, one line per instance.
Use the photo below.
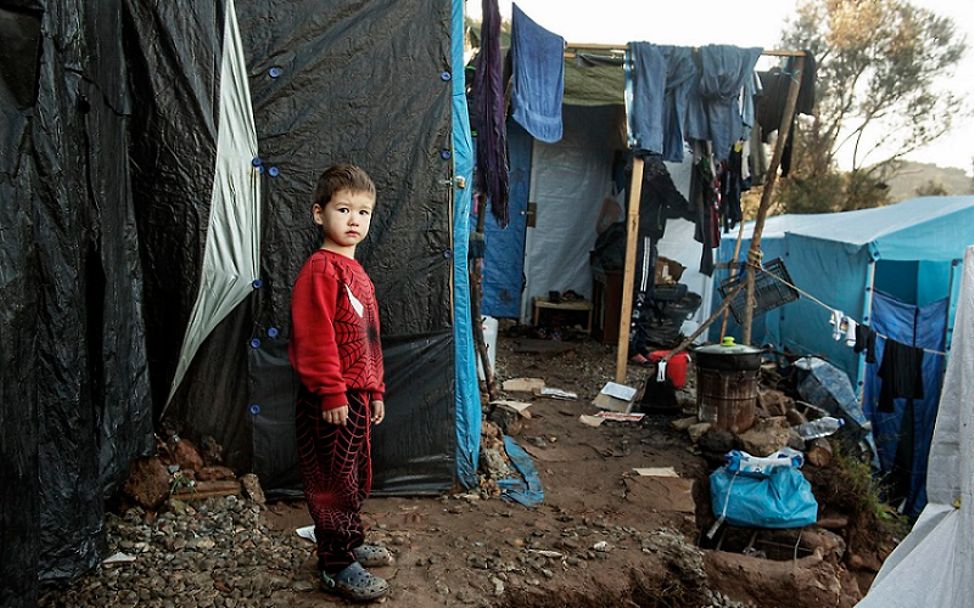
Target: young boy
(336, 352)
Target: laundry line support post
(629, 272)
(733, 273)
(754, 253)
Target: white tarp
(231, 259)
(934, 565)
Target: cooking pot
(728, 356)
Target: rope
(830, 308)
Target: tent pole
(754, 254)
(629, 274)
(476, 271)
(867, 314)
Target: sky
(750, 23)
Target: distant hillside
(912, 176)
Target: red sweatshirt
(335, 329)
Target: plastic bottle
(822, 427)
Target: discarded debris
(518, 407)
(593, 421)
(546, 553)
(656, 472)
(682, 424)
(615, 397)
(208, 489)
(621, 416)
(557, 393)
(118, 558)
(523, 385)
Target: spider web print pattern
(357, 335)
(336, 468)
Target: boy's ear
(318, 214)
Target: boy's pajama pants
(336, 468)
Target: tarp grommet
(254, 343)
(272, 332)
(273, 171)
(447, 253)
(446, 76)
(260, 169)
(257, 283)
(275, 71)
(257, 162)
(445, 154)
(254, 408)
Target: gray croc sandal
(373, 556)
(355, 583)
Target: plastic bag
(762, 496)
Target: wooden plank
(629, 274)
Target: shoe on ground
(355, 584)
(373, 556)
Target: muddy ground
(600, 538)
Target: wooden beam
(629, 273)
(572, 48)
(754, 254)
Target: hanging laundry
(835, 320)
(488, 114)
(865, 341)
(770, 104)
(538, 63)
(704, 201)
(731, 186)
(901, 372)
(681, 74)
(724, 71)
(850, 331)
(648, 91)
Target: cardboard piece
(593, 421)
(672, 494)
(519, 407)
(523, 385)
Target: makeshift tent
(934, 564)
(566, 183)
(893, 268)
(157, 213)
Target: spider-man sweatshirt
(335, 329)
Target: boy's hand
(336, 416)
(378, 412)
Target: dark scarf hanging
(488, 114)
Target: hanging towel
(836, 322)
(725, 70)
(648, 91)
(538, 61)
(901, 372)
(865, 341)
(850, 331)
(488, 115)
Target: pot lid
(728, 347)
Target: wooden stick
(733, 273)
(476, 277)
(629, 274)
(754, 254)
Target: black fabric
(770, 103)
(901, 372)
(865, 341)
(731, 185)
(703, 205)
(74, 392)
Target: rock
(774, 402)
(717, 440)
(215, 473)
(696, 431)
(252, 489)
(683, 424)
(831, 545)
(819, 452)
(185, 454)
(302, 586)
(601, 546)
(833, 522)
(498, 586)
(148, 482)
(795, 417)
(766, 436)
(211, 451)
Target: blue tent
(895, 268)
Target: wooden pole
(476, 273)
(733, 273)
(628, 276)
(754, 254)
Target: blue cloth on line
(681, 74)
(724, 71)
(526, 490)
(648, 93)
(538, 62)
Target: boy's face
(345, 220)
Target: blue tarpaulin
(525, 489)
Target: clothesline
(830, 308)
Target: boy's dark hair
(342, 177)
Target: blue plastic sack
(777, 497)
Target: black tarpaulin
(75, 393)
